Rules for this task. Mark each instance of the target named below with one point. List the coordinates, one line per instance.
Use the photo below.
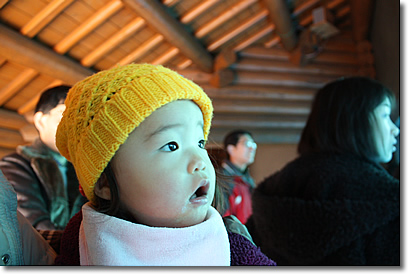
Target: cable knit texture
(103, 109)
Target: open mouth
(201, 191)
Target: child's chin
(199, 218)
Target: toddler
(136, 136)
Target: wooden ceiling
(260, 61)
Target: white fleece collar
(107, 240)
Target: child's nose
(196, 164)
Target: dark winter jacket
(243, 251)
(42, 197)
(324, 209)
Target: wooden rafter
(262, 65)
(304, 7)
(142, 49)
(30, 105)
(156, 16)
(123, 34)
(19, 49)
(241, 28)
(331, 6)
(170, 2)
(197, 10)
(3, 2)
(10, 138)
(87, 26)
(361, 14)
(11, 120)
(280, 15)
(45, 16)
(2, 60)
(222, 18)
(16, 84)
(258, 124)
(334, 4)
(184, 64)
(162, 59)
(272, 42)
(255, 37)
(334, 58)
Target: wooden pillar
(280, 15)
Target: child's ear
(102, 189)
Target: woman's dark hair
(233, 137)
(341, 117)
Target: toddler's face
(165, 177)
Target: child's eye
(201, 144)
(172, 146)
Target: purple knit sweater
(243, 252)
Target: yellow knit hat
(103, 109)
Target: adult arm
(31, 196)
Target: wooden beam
(197, 10)
(19, 49)
(196, 75)
(255, 37)
(170, 2)
(262, 136)
(44, 17)
(142, 49)
(222, 18)
(334, 4)
(6, 151)
(361, 14)
(222, 78)
(10, 138)
(280, 79)
(264, 65)
(3, 2)
(329, 5)
(259, 110)
(326, 57)
(280, 15)
(263, 93)
(184, 64)
(225, 59)
(123, 34)
(87, 26)
(16, 84)
(2, 60)
(164, 58)
(157, 17)
(29, 133)
(30, 104)
(257, 124)
(238, 30)
(305, 7)
(272, 42)
(11, 120)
